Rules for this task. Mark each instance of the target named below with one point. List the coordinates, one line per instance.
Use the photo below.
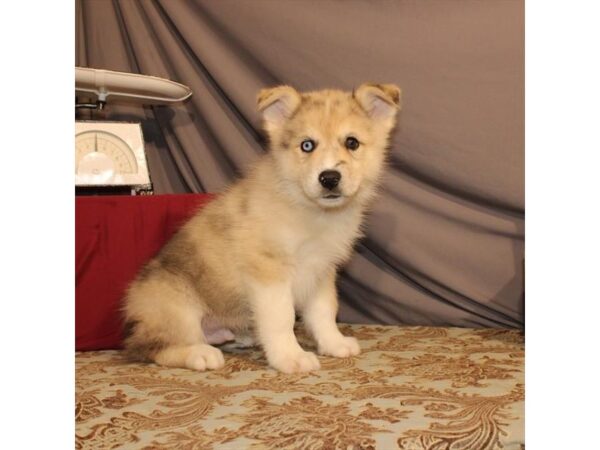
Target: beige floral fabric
(411, 388)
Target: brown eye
(351, 143)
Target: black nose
(329, 179)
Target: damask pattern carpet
(410, 388)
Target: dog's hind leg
(194, 356)
(164, 318)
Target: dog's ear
(278, 104)
(380, 101)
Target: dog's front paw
(299, 361)
(341, 348)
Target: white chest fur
(327, 244)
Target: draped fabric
(444, 243)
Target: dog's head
(330, 145)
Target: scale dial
(110, 154)
(100, 155)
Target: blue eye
(308, 145)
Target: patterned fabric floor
(410, 388)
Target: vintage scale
(110, 156)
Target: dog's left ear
(278, 104)
(380, 101)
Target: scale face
(110, 154)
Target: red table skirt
(114, 237)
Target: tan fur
(271, 243)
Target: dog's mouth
(331, 199)
(331, 196)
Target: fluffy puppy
(270, 245)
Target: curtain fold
(444, 243)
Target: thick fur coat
(269, 246)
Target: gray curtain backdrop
(445, 241)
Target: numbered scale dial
(100, 156)
(110, 154)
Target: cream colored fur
(270, 245)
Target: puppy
(270, 245)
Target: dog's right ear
(278, 104)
